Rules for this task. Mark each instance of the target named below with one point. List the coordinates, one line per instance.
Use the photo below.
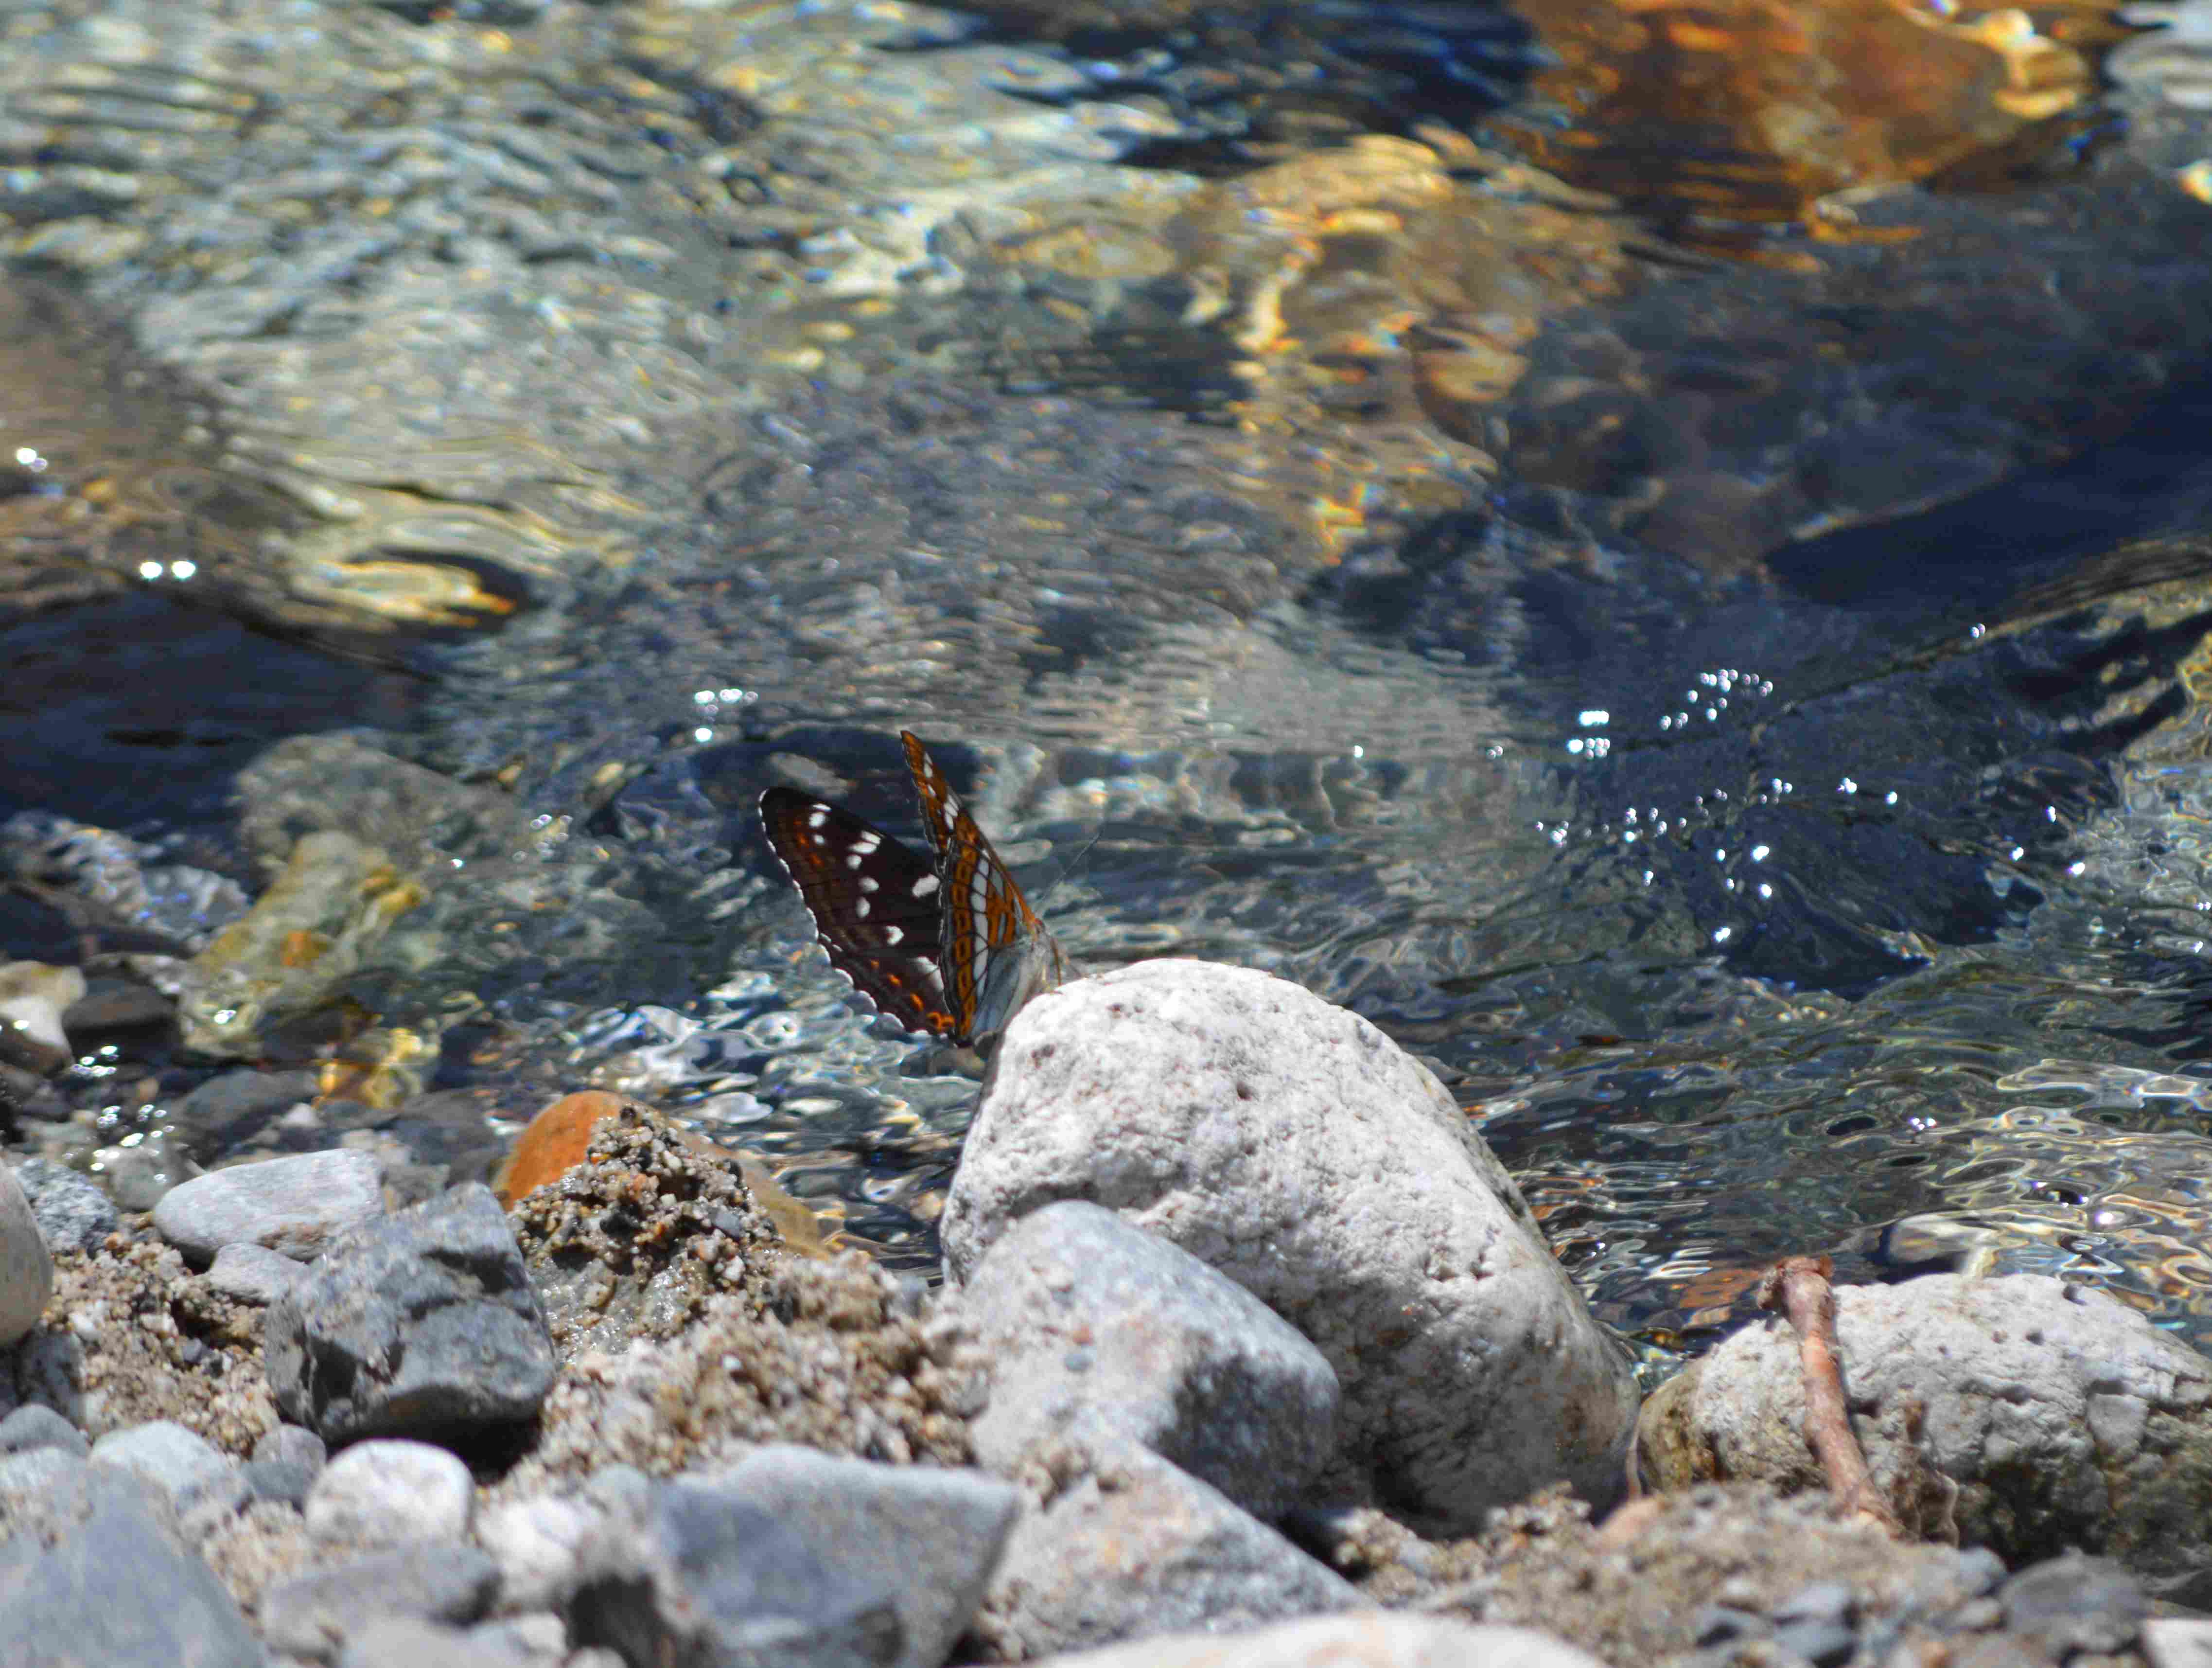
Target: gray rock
(26, 1271)
(1296, 1149)
(384, 1494)
(294, 1444)
(534, 1636)
(313, 1616)
(293, 1205)
(397, 1642)
(2073, 1604)
(282, 1481)
(1138, 1548)
(703, 1575)
(31, 1473)
(250, 1273)
(1099, 1330)
(113, 1587)
(422, 1323)
(1371, 1638)
(225, 1111)
(542, 1544)
(73, 1213)
(180, 1463)
(928, 1538)
(2058, 1415)
(37, 1426)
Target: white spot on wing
(894, 934)
(867, 883)
(926, 884)
(867, 843)
(819, 817)
(860, 908)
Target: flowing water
(1756, 756)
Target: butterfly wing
(875, 903)
(994, 953)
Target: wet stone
(35, 1426)
(311, 1616)
(224, 1112)
(390, 1492)
(73, 1213)
(33, 997)
(421, 1323)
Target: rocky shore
(1248, 1352)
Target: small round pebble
(180, 1463)
(386, 1491)
(73, 1213)
(251, 1273)
(294, 1445)
(38, 1426)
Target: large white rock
(2063, 1417)
(1295, 1149)
(1370, 1638)
(27, 1269)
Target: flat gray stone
(1099, 1331)
(293, 1444)
(27, 1269)
(293, 1205)
(182, 1463)
(251, 1273)
(1294, 1147)
(397, 1642)
(422, 1323)
(31, 1473)
(116, 1589)
(703, 1575)
(313, 1616)
(37, 1426)
(388, 1493)
(1138, 1548)
(928, 1538)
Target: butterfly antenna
(1068, 873)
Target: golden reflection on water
(1733, 113)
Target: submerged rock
(32, 998)
(27, 1267)
(1294, 1147)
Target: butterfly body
(945, 945)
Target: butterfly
(948, 947)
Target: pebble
(2178, 1642)
(390, 1492)
(227, 1110)
(73, 1213)
(27, 1269)
(2076, 1603)
(401, 1642)
(182, 1463)
(929, 1538)
(1296, 1149)
(1096, 1328)
(713, 1578)
(292, 1445)
(424, 1323)
(540, 1544)
(283, 1481)
(37, 1426)
(251, 1273)
(292, 1205)
(312, 1615)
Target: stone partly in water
(420, 1323)
(1294, 1147)
(32, 998)
(2063, 1418)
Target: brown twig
(1798, 1286)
